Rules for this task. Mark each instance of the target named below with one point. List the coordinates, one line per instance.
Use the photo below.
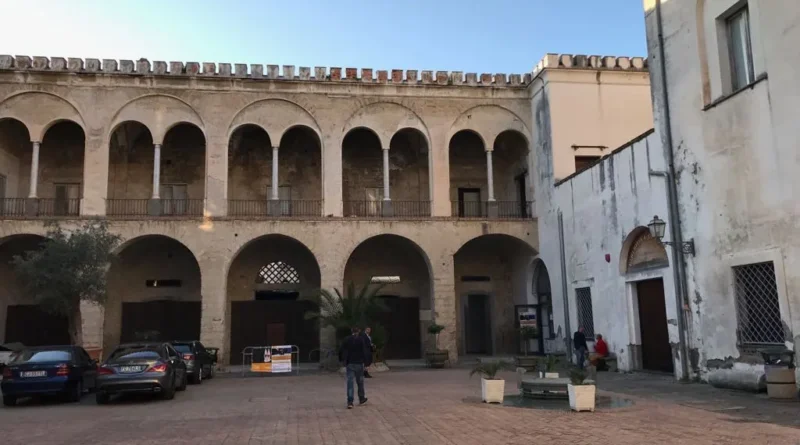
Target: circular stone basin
(518, 401)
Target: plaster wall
(736, 161)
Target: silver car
(155, 368)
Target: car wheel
(9, 400)
(101, 397)
(184, 382)
(197, 378)
(168, 393)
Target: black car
(155, 368)
(46, 370)
(199, 361)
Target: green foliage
(577, 376)
(379, 339)
(343, 311)
(549, 363)
(434, 329)
(70, 267)
(489, 370)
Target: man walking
(579, 342)
(356, 355)
(368, 338)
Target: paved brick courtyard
(407, 407)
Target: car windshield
(145, 352)
(183, 349)
(39, 356)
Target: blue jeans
(581, 357)
(355, 372)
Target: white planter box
(492, 390)
(550, 375)
(581, 397)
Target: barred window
(278, 273)
(583, 297)
(757, 308)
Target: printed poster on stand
(282, 358)
(262, 360)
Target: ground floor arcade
(235, 284)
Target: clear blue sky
(469, 35)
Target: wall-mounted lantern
(657, 229)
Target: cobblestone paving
(408, 407)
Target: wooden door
(478, 329)
(656, 350)
(401, 322)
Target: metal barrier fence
(249, 352)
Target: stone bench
(545, 388)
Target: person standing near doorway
(368, 338)
(356, 355)
(579, 343)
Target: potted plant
(436, 358)
(379, 344)
(492, 388)
(547, 367)
(527, 333)
(582, 392)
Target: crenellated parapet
(144, 67)
(579, 61)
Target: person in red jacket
(600, 353)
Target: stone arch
(488, 121)
(640, 251)
(385, 119)
(159, 113)
(276, 117)
(409, 301)
(39, 111)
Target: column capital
(275, 147)
(36, 142)
(385, 148)
(488, 149)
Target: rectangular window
(162, 283)
(739, 49)
(67, 200)
(758, 311)
(373, 197)
(583, 298)
(584, 162)
(469, 202)
(174, 198)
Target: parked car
(199, 361)
(7, 352)
(45, 370)
(155, 368)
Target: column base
(32, 207)
(154, 207)
(387, 210)
(274, 207)
(492, 209)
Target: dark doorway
(161, 320)
(656, 350)
(272, 323)
(30, 325)
(477, 325)
(523, 194)
(469, 202)
(401, 322)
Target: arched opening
(510, 165)
(130, 170)
(15, 152)
(468, 178)
(408, 297)
(542, 308)
(153, 293)
(182, 185)
(641, 251)
(409, 175)
(22, 320)
(249, 164)
(271, 285)
(61, 170)
(492, 278)
(362, 173)
(300, 173)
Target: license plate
(33, 373)
(129, 369)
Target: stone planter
(526, 362)
(581, 397)
(548, 375)
(379, 367)
(492, 391)
(437, 359)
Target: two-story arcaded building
(240, 191)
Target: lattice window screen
(757, 307)
(278, 273)
(583, 297)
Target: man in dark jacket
(356, 355)
(579, 342)
(368, 338)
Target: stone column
(95, 176)
(92, 319)
(34, 171)
(214, 319)
(439, 166)
(274, 203)
(332, 175)
(491, 205)
(156, 170)
(217, 172)
(387, 200)
(444, 302)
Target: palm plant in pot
(526, 334)
(436, 358)
(547, 367)
(492, 388)
(581, 391)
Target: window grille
(757, 307)
(278, 273)
(583, 297)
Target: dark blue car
(66, 371)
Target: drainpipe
(564, 285)
(679, 272)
